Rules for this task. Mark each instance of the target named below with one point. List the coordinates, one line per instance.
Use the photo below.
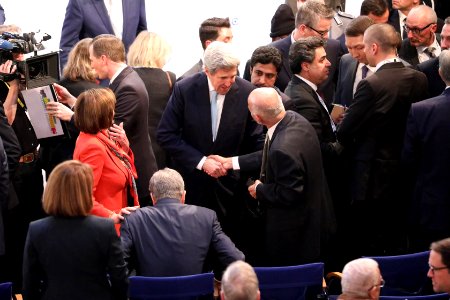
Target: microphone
(5, 45)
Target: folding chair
(6, 291)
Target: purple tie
(365, 69)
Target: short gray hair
(239, 282)
(358, 276)
(220, 55)
(167, 183)
(311, 12)
(444, 65)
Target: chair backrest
(443, 296)
(175, 288)
(405, 274)
(6, 291)
(291, 282)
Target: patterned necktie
(262, 174)
(364, 70)
(404, 33)
(430, 52)
(214, 114)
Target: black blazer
(154, 237)
(334, 53)
(374, 127)
(75, 258)
(431, 69)
(427, 151)
(132, 109)
(298, 211)
(185, 134)
(159, 89)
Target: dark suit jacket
(427, 151)
(198, 67)
(347, 75)
(173, 239)
(76, 258)
(185, 133)
(298, 211)
(334, 53)
(132, 109)
(89, 18)
(374, 126)
(159, 90)
(304, 100)
(431, 69)
(409, 53)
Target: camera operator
(27, 180)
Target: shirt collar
(435, 44)
(386, 61)
(312, 85)
(119, 70)
(271, 130)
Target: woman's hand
(59, 110)
(117, 133)
(117, 218)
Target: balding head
(380, 43)
(421, 26)
(266, 106)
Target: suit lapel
(227, 117)
(310, 90)
(203, 105)
(113, 86)
(103, 14)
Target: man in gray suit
(154, 236)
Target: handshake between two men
(217, 166)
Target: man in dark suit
(313, 19)
(291, 189)
(377, 10)
(212, 29)
(373, 130)
(353, 66)
(431, 67)
(207, 114)
(427, 151)
(91, 18)
(154, 236)
(107, 54)
(422, 43)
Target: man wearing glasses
(422, 43)
(439, 262)
(313, 19)
(361, 279)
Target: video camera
(34, 71)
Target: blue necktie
(364, 70)
(214, 114)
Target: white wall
(177, 21)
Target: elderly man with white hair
(361, 279)
(239, 282)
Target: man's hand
(226, 162)
(214, 168)
(9, 68)
(59, 110)
(252, 188)
(64, 96)
(118, 134)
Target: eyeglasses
(434, 269)
(416, 31)
(321, 33)
(381, 284)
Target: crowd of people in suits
(312, 146)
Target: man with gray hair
(172, 238)
(313, 19)
(207, 114)
(426, 151)
(361, 279)
(422, 42)
(239, 282)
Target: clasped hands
(217, 166)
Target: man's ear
(207, 42)
(183, 197)
(153, 198)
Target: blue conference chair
(443, 296)
(174, 288)
(291, 282)
(6, 291)
(405, 275)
